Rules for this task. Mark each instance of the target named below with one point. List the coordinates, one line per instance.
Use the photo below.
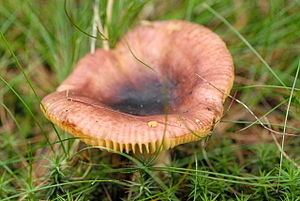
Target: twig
(106, 193)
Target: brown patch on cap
(114, 101)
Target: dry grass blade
(282, 152)
(247, 108)
(286, 117)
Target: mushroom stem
(163, 159)
(160, 159)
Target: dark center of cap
(150, 97)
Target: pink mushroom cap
(146, 93)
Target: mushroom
(145, 95)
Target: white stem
(94, 29)
(108, 20)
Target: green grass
(39, 45)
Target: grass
(241, 160)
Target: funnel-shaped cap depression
(146, 93)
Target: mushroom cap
(112, 99)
